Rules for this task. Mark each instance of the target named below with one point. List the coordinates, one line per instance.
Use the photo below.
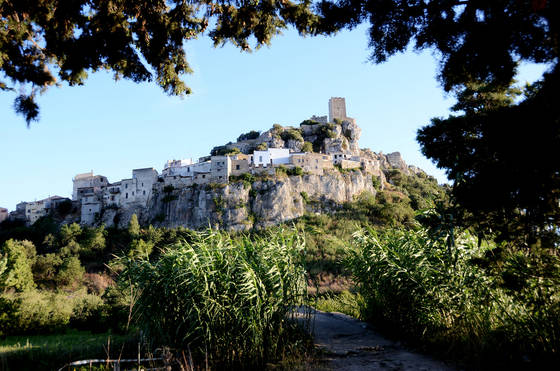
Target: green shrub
(35, 312)
(261, 147)
(307, 147)
(224, 297)
(250, 135)
(310, 122)
(432, 293)
(295, 171)
(281, 170)
(291, 134)
(71, 273)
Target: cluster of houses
(91, 193)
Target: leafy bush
(281, 170)
(261, 147)
(295, 171)
(307, 147)
(35, 312)
(291, 134)
(250, 135)
(246, 178)
(70, 274)
(224, 297)
(310, 122)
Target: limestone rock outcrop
(237, 206)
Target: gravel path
(351, 345)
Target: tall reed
(416, 287)
(221, 296)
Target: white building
(177, 168)
(271, 157)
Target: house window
(203, 176)
(144, 193)
(126, 195)
(133, 193)
(260, 158)
(142, 184)
(236, 167)
(126, 186)
(220, 177)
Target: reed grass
(418, 289)
(222, 297)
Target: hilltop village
(322, 147)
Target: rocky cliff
(244, 205)
(339, 137)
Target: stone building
(240, 164)
(220, 169)
(30, 212)
(350, 164)
(88, 180)
(320, 119)
(314, 163)
(337, 109)
(92, 203)
(112, 194)
(138, 189)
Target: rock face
(239, 206)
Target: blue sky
(112, 127)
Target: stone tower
(337, 109)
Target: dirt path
(351, 345)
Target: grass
(48, 352)
(346, 302)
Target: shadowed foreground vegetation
(395, 259)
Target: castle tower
(337, 109)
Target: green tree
(70, 232)
(18, 257)
(48, 42)
(71, 273)
(134, 227)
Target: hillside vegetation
(392, 258)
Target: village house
(30, 212)
(240, 164)
(88, 180)
(271, 157)
(313, 163)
